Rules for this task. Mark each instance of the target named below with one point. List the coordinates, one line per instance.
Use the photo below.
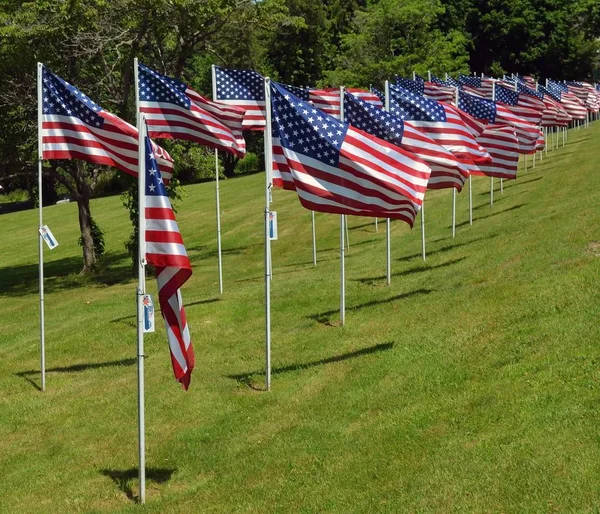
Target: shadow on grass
(411, 271)
(496, 213)
(113, 268)
(518, 182)
(246, 378)
(446, 248)
(125, 478)
(74, 368)
(351, 245)
(324, 317)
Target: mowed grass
(471, 384)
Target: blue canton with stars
(573, 83)
(154, 182)
(552, 93)
(411, 106)
(301, 92)
(373, 120)
(239, 85)
(479, 108)
(155, 87)
(61, 98)
(306, 130)
(558, 86)
(414, 86)
(529, 91)
(452, 82)
(504, 95)
(469, 81)
(438, 81)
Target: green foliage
(17, 195)
(97, 238)
(249, 164)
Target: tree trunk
(229, 163)
(85, 223)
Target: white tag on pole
(273, 226)
(148, 313)
(47, 236)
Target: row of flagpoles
(369, 172)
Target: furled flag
(512, 101)
(244, 89)
(440, 121)
(166, 252)
(74, 127)
(175, 111)
(337, 168)
(446, 170)
(481, 85)
(328, 100)
(497, 114)
(426, 88)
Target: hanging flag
(497, 114)
(328, 100)
(175, 111)
(446, 170)
(479, 85)
(339, 169)
(502, 144)
(440, 121)
(512, 101)
(166, 252)
(243, 89)
(75, 127)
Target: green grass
(471, 384)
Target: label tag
(273, 236)
(148, 313)
(47, 236)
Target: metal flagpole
(376, 226)
(141, 289)
(268, 173)
(414, 77)
(346, 227)
(217, 195)
(491, 191)
(423, 228)
(388, 224)
(453, 212)
(342, 245)
(40, 67)
(314, 238)
(470, 200)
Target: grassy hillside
(471, 384)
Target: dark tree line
(92, 44)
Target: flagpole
(314, 238)
(342, 245)
(347, 237)
(388, 228)
(268, 173)
(491, 191)
(470, 199)
(41, 222)
(141, 289)
(423, 228)
(453, 213)
(217, 194)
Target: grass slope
(471, 384)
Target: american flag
(502, 144)
(74, 127)
(497, 114)
(480, 85)
(451, 81)
(431, 90)
(570, 103)
(554, 114)
(166, 252)
(513, 101)
(328, 100)
(440, 121)
(175, 111)
(446, 170)
(337, 168)
(585, 92)
(244, 89)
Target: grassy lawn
(471, 384)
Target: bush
(97, 237)
(18, 195)
(249, 164)
(109, 183)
